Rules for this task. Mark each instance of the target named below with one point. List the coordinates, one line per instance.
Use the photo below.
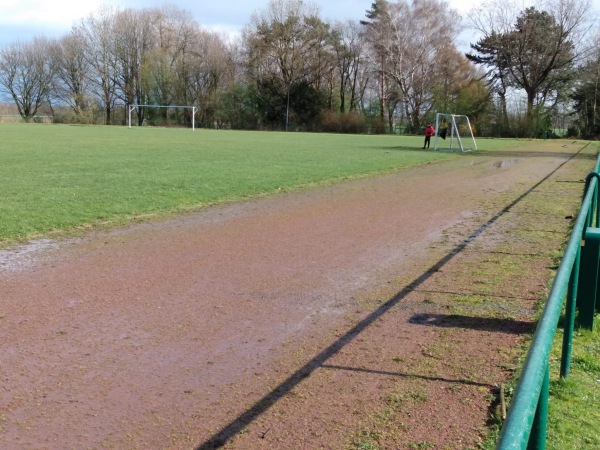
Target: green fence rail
(576, 281)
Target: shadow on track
(528, 154)
(406, 375)
(508, 326)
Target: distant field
(56, 178)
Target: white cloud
(55, 13)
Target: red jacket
(429, 131)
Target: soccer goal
(166, 108)
(453, 132)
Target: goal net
(158, 115)
(453, 132)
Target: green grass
(61, 178)
(573, 414)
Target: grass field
(57, 178)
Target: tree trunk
(529, 117)
(503, 112)
(382, 88)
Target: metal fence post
(588, 279)
(569, 326)
(537, 438)
(590, 253)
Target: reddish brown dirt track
(288, 322)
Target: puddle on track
(505, 163)
(24, 256)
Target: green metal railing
(577, 281)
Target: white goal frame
(193, 108)
(466, 143)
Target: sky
(23, 19)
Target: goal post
(132, 108)
(453, 131)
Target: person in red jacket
(429, 131)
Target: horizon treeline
(532, 72)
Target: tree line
(389, 71)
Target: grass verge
(573, 415)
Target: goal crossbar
(193, 108)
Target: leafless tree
(72, 71)
(185, 64)
(167, 66)
(209, 70)
(26, 74)
(135, 38)
(98, 33)
(421, 32)
(377, 34)
(348, 45)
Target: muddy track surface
(318, 319)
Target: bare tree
(135, 37)
(72, 71)
(377, 32)
(421, 32)
(209, 71)
(99, 34)
(26, 74)
(168, 67)
(348, 45)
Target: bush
(572, 132)
(330, 122)
(334, 122)
(377, 125)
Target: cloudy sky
(22, 19)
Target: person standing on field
(429, 131)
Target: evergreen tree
(487, 53)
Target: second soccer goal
(453, 132)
